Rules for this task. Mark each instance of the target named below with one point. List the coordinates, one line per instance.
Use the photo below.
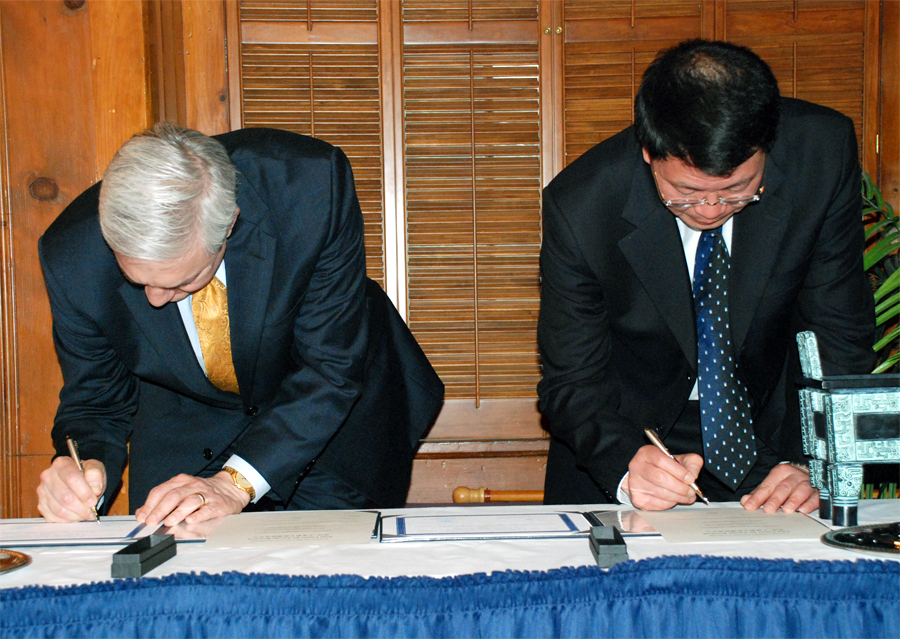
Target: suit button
(207, 454)
(251, 411)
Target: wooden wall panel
(9, 418)
(118, 51)
(552, 30)
(434, 478)
(390, 38)
(55, 90)
(205, 58)
(512, 418)
(889, 117)
(81, 93)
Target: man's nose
(712, 207)
(158, 296)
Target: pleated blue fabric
(662, 597)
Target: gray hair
(166, 189)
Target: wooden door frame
(10, 501)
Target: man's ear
(646, 155)
(237, 211)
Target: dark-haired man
(679, 259)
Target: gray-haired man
(216, 328)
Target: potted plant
(881, 265)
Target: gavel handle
(481, 495)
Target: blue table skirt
(661, 597)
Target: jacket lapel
(164, 329)
(757, 235)
(656, 254)
(249, 262)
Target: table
(470, 588)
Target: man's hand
(192, 500)
(657, 482)
(65, 494)
(786, 487)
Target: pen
(73, 453)
(654, 438)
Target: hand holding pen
(69, 485)
(656, 441)
(73, 453)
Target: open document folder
(295, 528)
(456, 527)
(24, 533)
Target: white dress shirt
(260, 485)
(690, 238)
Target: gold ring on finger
(202, 499)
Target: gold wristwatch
(241, 482)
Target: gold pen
(73, 453)
(654, 438)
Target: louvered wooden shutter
(328, 89)
(816, 48)
(473, 178)
(608, 45)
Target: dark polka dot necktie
(728, 444)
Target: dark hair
(710, 104)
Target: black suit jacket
(617, 333)
(327, 369)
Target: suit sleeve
(580, 392)
(836, 300)
(99, 394)
(330, 338)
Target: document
(295, 528)
(484, 526)
(683, 525)
(630, 523)
(23, 533)
(193, 533)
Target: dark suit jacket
(617, 332)
(328, 371)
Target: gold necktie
(210, 308)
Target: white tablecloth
(86, 564)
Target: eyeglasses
(684, 203)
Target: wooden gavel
(482, 495)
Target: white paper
(37, 532)
(629, 522)
(731, 524)
(483, 526)
(294, 528)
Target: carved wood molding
(482, 448)
(9, 464)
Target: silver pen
(654, 438)
(73, 453)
